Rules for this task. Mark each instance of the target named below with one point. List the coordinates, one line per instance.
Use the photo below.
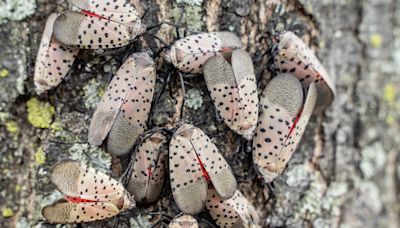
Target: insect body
(284, 115)
(100, 24)
(184, 221)
(53, 59)
(233, 89)
(194, 161)
(190, 53)
(90, 195)
(147, 174)
(234, 212)
(124, 108)
(294, 57)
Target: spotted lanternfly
(184, 221)
(294, 57)
(89, 195)
(193, 162)
(147, 168)
(99, 24)
(284, 115)
(190, 53)
(125, 106)
(53, 60)
(233, 89)
(234, 212)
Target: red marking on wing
(149, 171)
(205, 174)
(294, 124)
(77, 199)
(226, 49)
(92, 14)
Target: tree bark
(345, 172)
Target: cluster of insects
(199, 175)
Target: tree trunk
(345, 172)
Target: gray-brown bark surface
(345, 173)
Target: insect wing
(84, 182)
(120, 11)
(245, 210)
(132, 119)
(247, 88)
(295, 57)
(111, 102)
(190, 53)
(214, 163)
(233, 91)
(279, 106)
(188, 184)
(147, 175)
(298, 131)
(65, 212)
(220, 211)
(53, 60)
(234, 212)
(90, 32)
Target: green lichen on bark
(7, 212)
(40, 156)
(140, 221)
(373, 160)
(352, 146)
(4, 73)
(40, 114)
(194, 99)
(192, 14)
(92, 94)
(16, 10)
(90, 154)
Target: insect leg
(246, 146)
(179, 22)
(165, 218)
(183, 93)
(209, 224)
(160, 24)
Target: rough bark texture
(345, 173)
